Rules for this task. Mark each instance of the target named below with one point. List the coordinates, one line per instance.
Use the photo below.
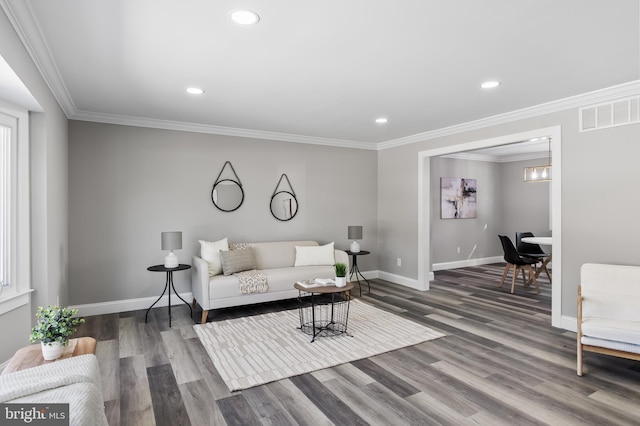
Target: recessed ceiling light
(245, 17)
(381, 120)
(490, 84)
(195, 91)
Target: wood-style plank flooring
(501, 363)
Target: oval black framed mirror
(227, 194)
(284, 204)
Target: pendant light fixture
(539, 173)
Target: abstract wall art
(458, 198)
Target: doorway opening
(425, 269)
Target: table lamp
(171, 241)
(354, 233)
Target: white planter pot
(51, 351)
(341, 281)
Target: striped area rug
(259, 349)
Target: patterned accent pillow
(237, 261)
(239, 246)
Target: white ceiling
(323, 71)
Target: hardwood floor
(501, 363)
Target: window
(14, 208)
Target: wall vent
(610, 114)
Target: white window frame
(17, 293)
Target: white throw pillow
(315, 255)
(210, 252)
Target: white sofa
(608, 314)
(74, 380)
(275, 259)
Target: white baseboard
(399, 279)
(569, 323)
(466, 263)
(116, 306)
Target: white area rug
(259, 349)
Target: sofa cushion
(279, 280)
(611, 329)
(315, 256)
(611, 344)
(237, 261)
(278, 254)
(210, 252)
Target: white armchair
(609, 311)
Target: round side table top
(362, 252)
(162, 268)
(328, 289)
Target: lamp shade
(171, 240)
(354, 232)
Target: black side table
(168, 285)
(356, 270)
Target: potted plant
(341, 274)
(54, 326)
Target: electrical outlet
(399, 262)
(457, 249)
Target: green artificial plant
(341, 269)
(55, 324)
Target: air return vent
(610, 114)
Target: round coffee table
(324, 311)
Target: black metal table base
(169, 285)
(323, 314)
(356, 270)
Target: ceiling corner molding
(216, 130)
(470, 156)
(26, 26)
(597, 96)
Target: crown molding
(21, 17)
(597, 96)
(216, 130)
(497, 159)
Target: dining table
(543, 241)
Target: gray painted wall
(49, 195)
(599, 171)
(128, 184)
(506, 204)
(526, 204)
(475, 237)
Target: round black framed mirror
(284, 205)
(227, 195)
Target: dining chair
(533, 251)
(518, 263)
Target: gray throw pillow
(237, 261)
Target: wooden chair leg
(204, 316)
(579, 333)
(504, 274)
(524, 279)
(532, 275)
(513, 281)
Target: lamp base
(355, 247)
(171, 260)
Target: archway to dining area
(425, 213)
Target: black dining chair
(533, 251)
(518, 263)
